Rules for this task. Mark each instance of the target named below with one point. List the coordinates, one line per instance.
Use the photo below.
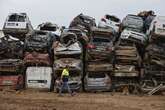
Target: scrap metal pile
(11, 63)
(114, 55)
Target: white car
(110, 21)
(134, 36)
(39, 78)
(157, 27)
(97, 81)
(133, 21)
(17, 25)
(50, 27)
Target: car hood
(130, 35)
(71, 62)
(72, 49)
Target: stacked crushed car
(128, 60)
(114, 55)
(154, 61)
(11, 63)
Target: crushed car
(154, 69)
(39, 78)
(11, 47)
(157, 28)
(83, 22)
(38, 48)
(51, 27)
(99, 59)
(110, 21)
(11, 74)
(68, 52)
(127, 66)
(17, 25)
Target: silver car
(99, 81)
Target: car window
(96, 75)
(12, 18)
(98, 39)
(16, 18)
(21, 19)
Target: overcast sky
(62, 12)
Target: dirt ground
(35, 100)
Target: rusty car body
(11, 74)
(11, 47)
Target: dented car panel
(125, 71)
(70, 50)
(101, 44)
(10, 65)
(11, 74)
(72, 63)
(11, 82)
(39, 77)
(134, 36)
(127, 54)
(10, 47)
(37, 58)
(100, 66)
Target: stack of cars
(114, 55)
(99, 60)
(11, 64)
(128, 59)
(68, 52)
(37, 59)
(154, 61)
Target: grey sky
(63, 11)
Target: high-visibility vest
(65, 72)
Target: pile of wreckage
(154, 60)
(127, 57)
(11, 63)
(99, 60)
(68, 52)
(38, 59)
(116, 55)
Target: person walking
(64, 81)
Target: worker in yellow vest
(64, 80)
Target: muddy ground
(35, 100)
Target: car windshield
(96, 75)
(48, 28)
(113, 18)
(16, 18)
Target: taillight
(102, 19)
(91, 46)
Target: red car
(36, 58)
(14, 82)
(11, 76)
